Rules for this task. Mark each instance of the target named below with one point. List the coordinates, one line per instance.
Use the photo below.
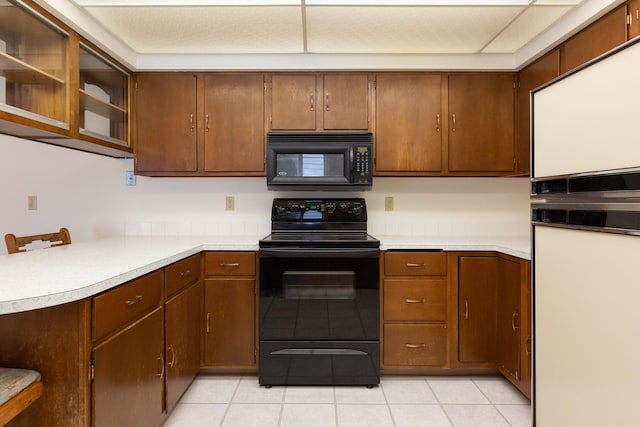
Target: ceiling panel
(198, 29)
(526, 27)
(404, 29)
(327, 26)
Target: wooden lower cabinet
(230, 338)
(183, 320)
(477, 309)
(129, 375)
(509, 319)
(415, 344)
(414, 310)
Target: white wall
(87, 194)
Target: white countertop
(53, 276)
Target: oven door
(319, 316)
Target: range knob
(357, 209)
(331, 207)
(343, 206)
(281, 210)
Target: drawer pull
(414, 301)
(421, 345)
(414, 265)
(185, 273)
(161, 359)
(134, 301)
(230, 264)
(173, 356)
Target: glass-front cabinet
(104, 98)
(33, 65)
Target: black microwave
(319, 161)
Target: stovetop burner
(319, 223)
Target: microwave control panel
(362, 163)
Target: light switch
(32, 203)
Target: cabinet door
(346, 101)
(129, 371)
(634, 18)
(526, 334)
(477, 308)
(234, 132)
(481, 123)
(509, 318)
(407, 127)
(166, 123)
(601, 36)
(230, 336)
(536, 74)
(293, 102)
(183, 317)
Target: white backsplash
(87, 194)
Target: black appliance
(319, 161)
(319, 295)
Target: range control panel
(353, 209)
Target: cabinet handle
(421, 345)
(414, 265)
(513, 321)
(206, 123)
(191, 122)
(453, 119)
(134, 301)
(230, 264)
(437, 122)
(185, 273)
(312, 102)
(207, 325)
(414, 301)
(173, 356)
(466, 310)
(326, 102)
(527, 346)
(161, 359)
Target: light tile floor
(234, 401)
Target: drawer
(418, 300)
(415, 345)
(230, 263)
(181, 274)
(415, 264)
(115, 308)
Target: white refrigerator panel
(589, 121)
(587, 328)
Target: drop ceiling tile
(532, 22)
(208, 30)
(404, 29)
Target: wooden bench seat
(19, 388)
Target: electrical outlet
(388, 203)
(230, 203)
(131, 178)
(32, 203)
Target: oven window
(310, 165)
(319, 284)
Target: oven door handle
(298, 252)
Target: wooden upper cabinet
(346, 101)
(535, 74)
(408, 131)
(598, 38)
(166, 122)
(293, 101)
(633, 10)
(316, 102)
(234, 134)
(481, 122)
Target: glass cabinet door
(104, 98)
(33, 70)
